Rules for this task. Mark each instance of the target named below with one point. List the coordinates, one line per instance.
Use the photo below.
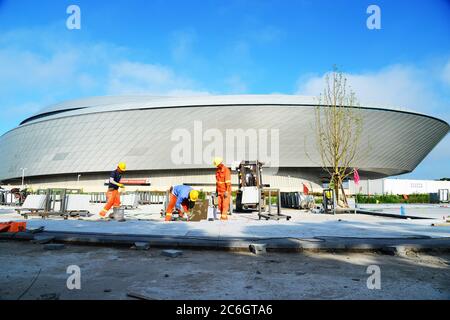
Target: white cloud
(22, 69)
(60, 69)
(139, 78)
(236, 84)
(42, 66)
(400, 86)
(395, 86)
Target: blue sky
(227, 47)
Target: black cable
(32, 283)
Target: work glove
(121, 185)
(225, 195)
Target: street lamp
(23, 176)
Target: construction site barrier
(144, 197)
(151, 197)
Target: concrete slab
(429, 211)
(172, 253)
(258, 248)
(54, 246)
(308, 228)
(36, 230)
(42, 239)
(141, 245)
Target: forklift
(253, 195)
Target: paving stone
(142, 245)
(258, 248)
(36, 230)
(49, 296)
(42, 239)
(54, 246)
(172, 253)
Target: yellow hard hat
(193, 195)
(122, 166)
(217, 161)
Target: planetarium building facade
(172, 140)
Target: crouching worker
(113, 195)
(181, 198)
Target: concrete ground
(431, 211)
(147, 221)
(109, 273)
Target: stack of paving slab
(78, 202)
(130, 201)
(34, 202)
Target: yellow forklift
(253, 195)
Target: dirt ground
(109, 273)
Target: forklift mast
(250, 174)
(253, 195)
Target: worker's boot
(224, 217)
(102, 214)
(168, 217)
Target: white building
(398, 186)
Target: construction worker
(113, 195)
(181, 197)
(223, 187)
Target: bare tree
(339, 124)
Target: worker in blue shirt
(179, 198)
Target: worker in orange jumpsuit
(223, 187)
(113, 195)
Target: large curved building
(172, 140)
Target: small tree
(339, 125)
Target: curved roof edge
(122, 103)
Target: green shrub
(393, 198)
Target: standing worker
(181, 197)
(223, 187)
(113, 195)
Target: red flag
(356, 176)
(305, 189)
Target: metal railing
(144, 197)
